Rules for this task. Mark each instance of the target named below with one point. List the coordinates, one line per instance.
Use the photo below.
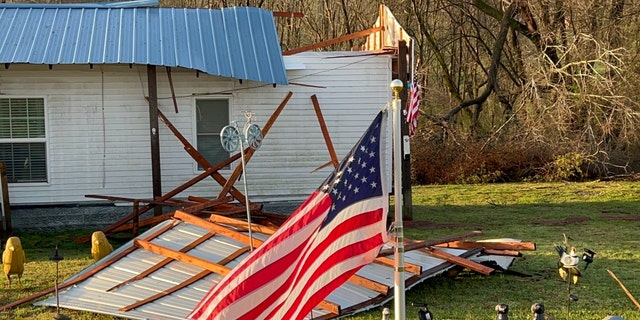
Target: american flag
(337, 230)
(413, 104)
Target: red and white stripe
(282, 280)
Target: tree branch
(493, 68)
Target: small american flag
(413, 104)
(337, 230)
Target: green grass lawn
(602, 216)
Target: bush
(436, 160)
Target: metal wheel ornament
(254, 136)
(229, 138)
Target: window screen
(211, 116)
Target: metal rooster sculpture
(568, 268)
(568, 264)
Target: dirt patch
(433, 225)
(625, 218)
(563, 222)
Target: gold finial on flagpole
(396, 86)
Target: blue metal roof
(238, 42)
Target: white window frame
(44, 140)
(228, 98)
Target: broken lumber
(498, 245)
(477, 267)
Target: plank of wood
(509, 245)
(162, 263)
(507, 253)
(181, 256)
(626, 291)
(334, 41)
(369, 284)
(409, 267)
(241, 224)
(414, 245)
(183, 284)
(325, 132)
(215, 228)
(477, 267)
(288, 14)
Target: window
(23, 146)
(211, 116)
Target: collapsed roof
(166, 271)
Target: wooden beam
(202, 161)
(626, 291)
(162, 263)
(207, 205)
(414, 245)
(288, 14)
(181, 256)
(241, 224)
(497, 245)
(334, 41)
(154, 136)
(329, 306)
(369, 284)
(183, 284)
(506, 253)
(325, 132)
(124, 199)
(173, 93)
(212, 227)
(118, 224)
(410, 267)
(477, 267)
(167, 292)
(5, 226)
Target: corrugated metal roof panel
(238, 42)
(110, 290)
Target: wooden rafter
(194, 279)
(503, 245)
(181, 256)
(241, 224)
(162, 263)
(334, 41)
(288, 14)
(409, 267)
(477, 267)
(369, 284)
(215, 228)
(197, 156)
(325, 133)
(414, 245)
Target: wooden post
(154, 136)
(5, 223)
(404, 65)
(136, 217)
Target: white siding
(98, 132)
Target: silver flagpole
(398, 284)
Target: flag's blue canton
(358, 175)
